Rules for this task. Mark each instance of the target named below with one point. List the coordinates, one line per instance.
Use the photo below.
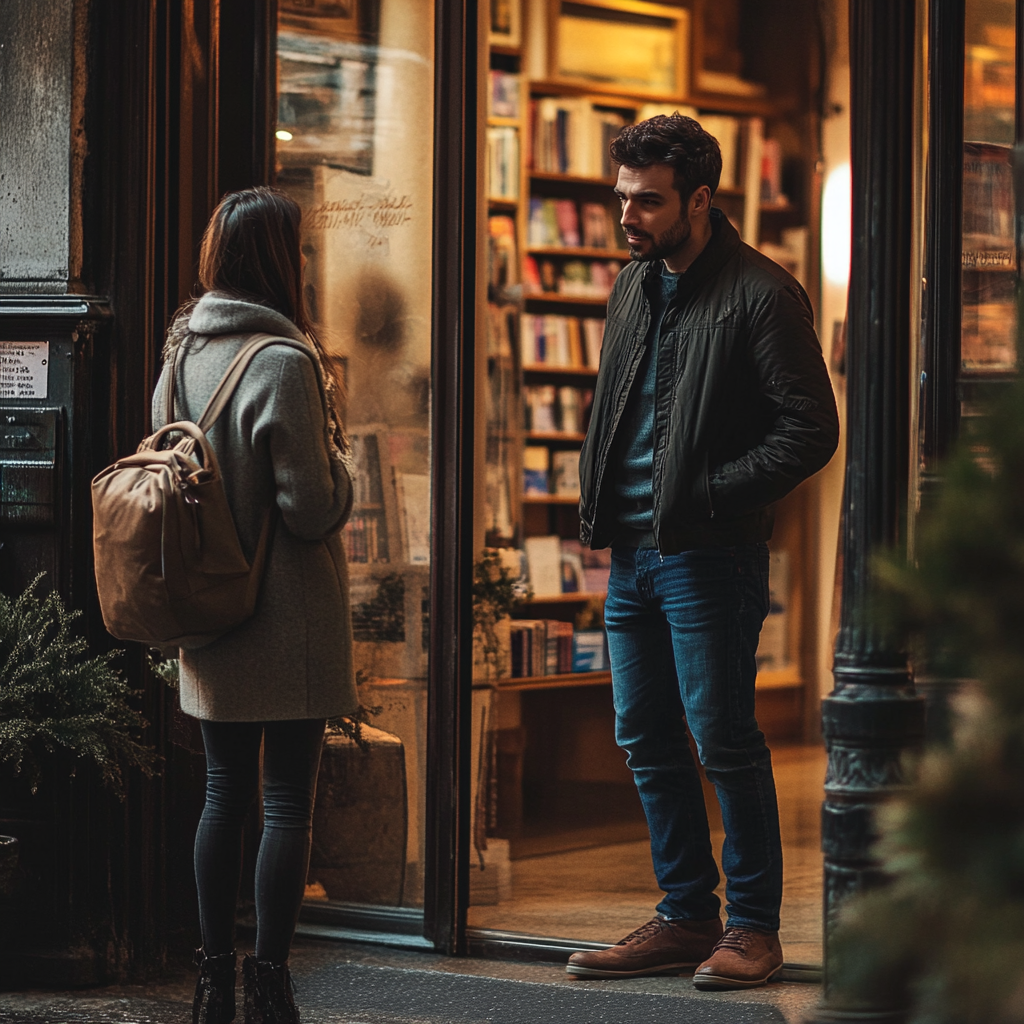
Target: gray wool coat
(293, 658)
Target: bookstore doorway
(561, 847)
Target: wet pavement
(341, 983)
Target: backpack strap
(232, 377)
(169, 383)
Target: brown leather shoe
(658, 947)
(742, 958)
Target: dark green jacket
(744, 408)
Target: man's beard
(668, 242)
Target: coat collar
(220, 313)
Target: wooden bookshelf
(569, 179)
(562, 371)
(580, 597)
(554, 435)
(558, 298)
(767, 679)
(557, 682)
(578, 252)
(551, 499)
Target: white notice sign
(23, 367)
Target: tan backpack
(170, 570)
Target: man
(712, 402)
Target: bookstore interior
(559, 838)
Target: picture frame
(505, 23)
(621, 46)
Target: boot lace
(645, 931)
(736, 939)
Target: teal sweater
(634, 444)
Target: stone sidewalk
(341, 983)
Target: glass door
(354, 145)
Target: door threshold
(492, 944)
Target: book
(535, 469)
(771, 172)
(593, 337)
(413, 493)
(539, 408)
(503, 162)
(773, 646)
(597, 228)
(726, 131)
(568, 223)
(544, 558)
(572, 573)
(503, 97)
(502, 261)
(565, 473)
(589, 651)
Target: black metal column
(873, 714)
(942, 299)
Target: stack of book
(558, 223)
(365, 538)
(571, 136)
(567, 341)
(582, 278)
(548, 647)
(596, 565)
(503, 162)
(556, 410)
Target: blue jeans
(291, 760)
(682, 634)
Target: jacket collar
(220, 313)
(722, 245)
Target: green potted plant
(946, 937)
(496, 593)
(58, 701)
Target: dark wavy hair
(251, 249)
(676, 140)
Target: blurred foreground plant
(948, 935)
(54, 698)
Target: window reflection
(354, 147)
(989, 253)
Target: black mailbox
(29, 440)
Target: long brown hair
(251, 249)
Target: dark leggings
(291, 760)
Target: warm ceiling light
(283, 135)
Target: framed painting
(621, 46)
(506, 23)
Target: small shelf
(581, 597)
(566, 371)
(571, 179)
(551, 499)
(576, 300)
(502, 204)
(559, 682)
(708, 103)
(506, 50)
(577, 251)
(554, 435)
(494, 121)
(785, 678)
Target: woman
(277, 677)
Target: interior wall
(836, 154)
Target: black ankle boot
(214, 1001)
(268, 992)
